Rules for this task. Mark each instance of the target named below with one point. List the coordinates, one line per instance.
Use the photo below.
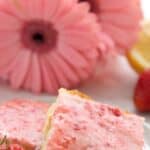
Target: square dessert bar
(76, 122)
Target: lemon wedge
(139, 57)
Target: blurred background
(146, 9)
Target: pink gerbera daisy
(119, 19)
(47, 44)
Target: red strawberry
(142, 92)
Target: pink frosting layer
(22, 122)
(79, 124)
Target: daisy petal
(127, 19)
(27, 82)
(73, 16)
(72, 38)
(71, 76)
(7, 56)
(116, 33)
(64, 7)
(8, 39)
(10, 66)
(75, 56)
(50, 8)
(8, 22)
(22, 65)
(57, 69)
(49, 80)
(13, 8)
(108, 5)
(36, 74)
(33, 9)
(80, 68)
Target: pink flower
(120, 21)
(47, 44)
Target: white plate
(147, 136)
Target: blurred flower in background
(119, 21)
(47, 44)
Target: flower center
(94, 5)
(39, 36)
